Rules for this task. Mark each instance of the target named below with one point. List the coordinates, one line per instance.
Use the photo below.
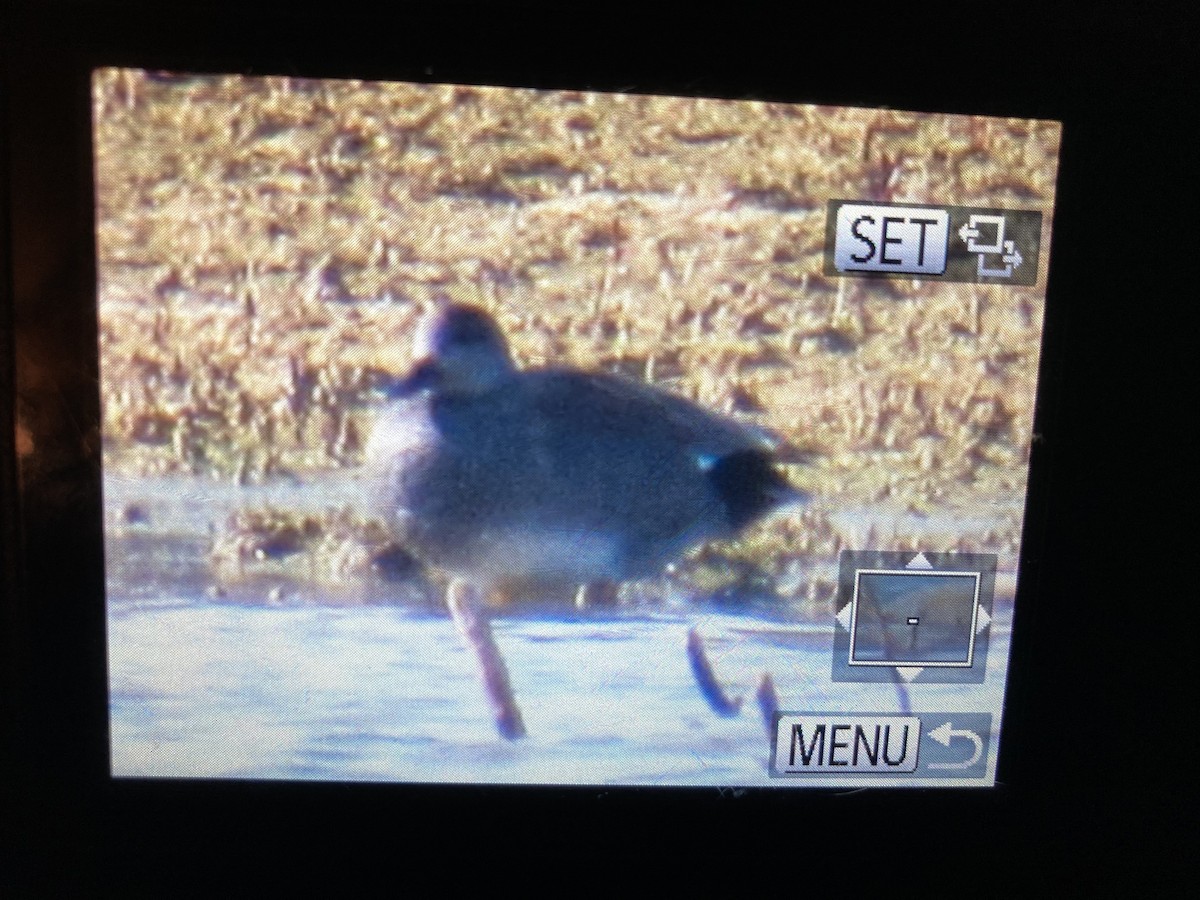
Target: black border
(1109, 459)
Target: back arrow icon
(943, 734)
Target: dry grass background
(267, 244)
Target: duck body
(504, 477)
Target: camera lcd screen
(457, 433)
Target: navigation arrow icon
(944, 734)
(919, 562)
(1013, 256)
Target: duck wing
(618, 406)
(671, 472)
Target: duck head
(459, 352)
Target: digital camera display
(457, 433)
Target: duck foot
(768, 703)
(476, 630)
(718, 700)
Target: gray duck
(512, 481)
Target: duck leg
(720, 702)
(768, 703)
(706, 679)
(476, 630)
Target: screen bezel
(54, 560)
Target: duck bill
(423, 377)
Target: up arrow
(919, 562)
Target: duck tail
(750, 487)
